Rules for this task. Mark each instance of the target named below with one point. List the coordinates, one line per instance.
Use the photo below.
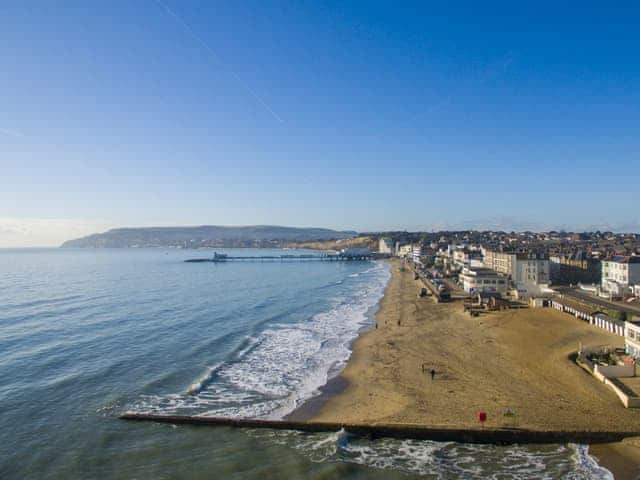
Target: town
(594, 277)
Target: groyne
(500, 436)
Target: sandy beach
(513, 360)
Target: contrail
(213, 53)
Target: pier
(325, 257)
(499, 436)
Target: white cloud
(45, 232)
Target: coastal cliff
(259, 236)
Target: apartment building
(482, 280)
(632, 339)
(528, 272)
(620, 274)
(575, 267)
(416, 253)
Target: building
(405, 250)
(416, 253)
(501, 262)
(528, 272)
(385, 245)
(482, 280)
(632, 339)
(466, 257)
(620, 274)
(573, 268)
(532, 269)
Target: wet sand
(622, 458)
(514, 359)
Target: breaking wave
(276, 370)
(446, 460)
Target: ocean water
(88, 334)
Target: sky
(349, 115)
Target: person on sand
(433, 374)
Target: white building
(528, 272)
(620, 274)
(385, 245)
(405, 250)
(466, 257)
(482, 280)
(416, 253)
(532, 275)
(632, 339)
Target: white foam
(198, 385)
(446, 460)
(252, 342)
(587, 463)
(285, 364)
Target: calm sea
(88, 334)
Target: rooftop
(625, 259)
(477, 271)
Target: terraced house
(527, 271)
(620, 274)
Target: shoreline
(622, 458)
(312, 407)
(338, 384)
(382, 382)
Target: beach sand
(513, 359)
(622, 459)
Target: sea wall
(614, 371)
(628, 400)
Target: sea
(87, 334)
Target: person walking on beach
(433, 374)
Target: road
(455, 291)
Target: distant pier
(325, 257)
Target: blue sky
(358, 115)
